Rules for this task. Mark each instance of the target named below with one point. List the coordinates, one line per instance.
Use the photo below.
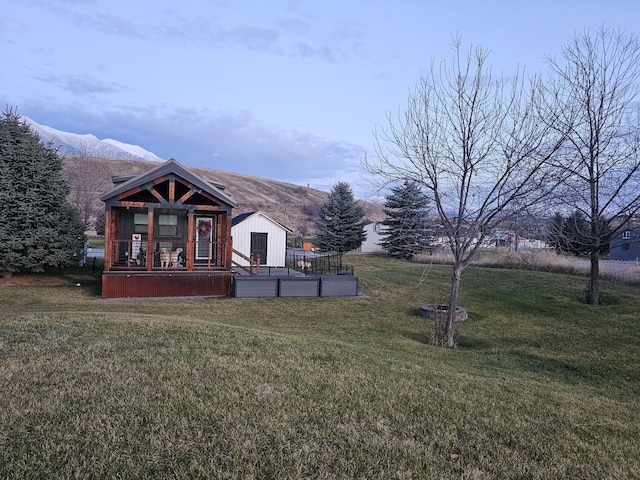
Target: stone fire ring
(439, 312)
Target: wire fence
(318, 264)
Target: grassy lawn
(541, 386)
(96, 242)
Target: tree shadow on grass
(421, 337)
(531, 357)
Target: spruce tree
(406, 224)
(39, 230)
(573, 234)
(340, 226)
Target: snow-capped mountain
(87, 144)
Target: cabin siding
(175, 284)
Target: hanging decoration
(204, 228)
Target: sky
(287, 90)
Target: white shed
(256, 235)
(375, 232)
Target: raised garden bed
(307, 286)
(255, 286)
(338, 286)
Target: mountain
(88, 144)
(293, 206)
(90, 163)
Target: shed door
(259, 247)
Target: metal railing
(318, 264)
(132, 255)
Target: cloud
(184, 31)
(115, 25)
(304, 50)
(295, 26)
(81, 85)
(231, 141)
(285, 35)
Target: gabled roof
(240, 218)
(171, 167)
(245, 216)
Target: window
(626, 234)
(167, 225)
(140, 223)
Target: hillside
(294, 206)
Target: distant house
(625, 244)
(375, 232)
(257, 236)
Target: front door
(259, 247)
(205, 229)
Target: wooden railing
(252, 263)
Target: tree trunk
(593, 289)
(453, 303)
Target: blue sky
(288, 90)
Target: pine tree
(573, 234)
(39, 230)
(406, 233)
(100, 219)
(556, 237)
(340, 226)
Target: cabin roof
(170, 167)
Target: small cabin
(167, 233)
(259, 238)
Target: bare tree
(595, 93)
(476, 144)
(86, 182)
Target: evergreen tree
(100, 223)
(39, 230)
(406, 222)
(556, 238)
(573, 235)
(340, 226)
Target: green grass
(96, 242)
(541, 386)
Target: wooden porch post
(150, 252)
(191, 250)
(228, 243)
(108, 241)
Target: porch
(167, 233)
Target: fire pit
(439, 312)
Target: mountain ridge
(91, 163)
(67, 143)
(293, 206)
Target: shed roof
(245, 216)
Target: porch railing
(128, 254)
(253, 263)
(132, 255)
